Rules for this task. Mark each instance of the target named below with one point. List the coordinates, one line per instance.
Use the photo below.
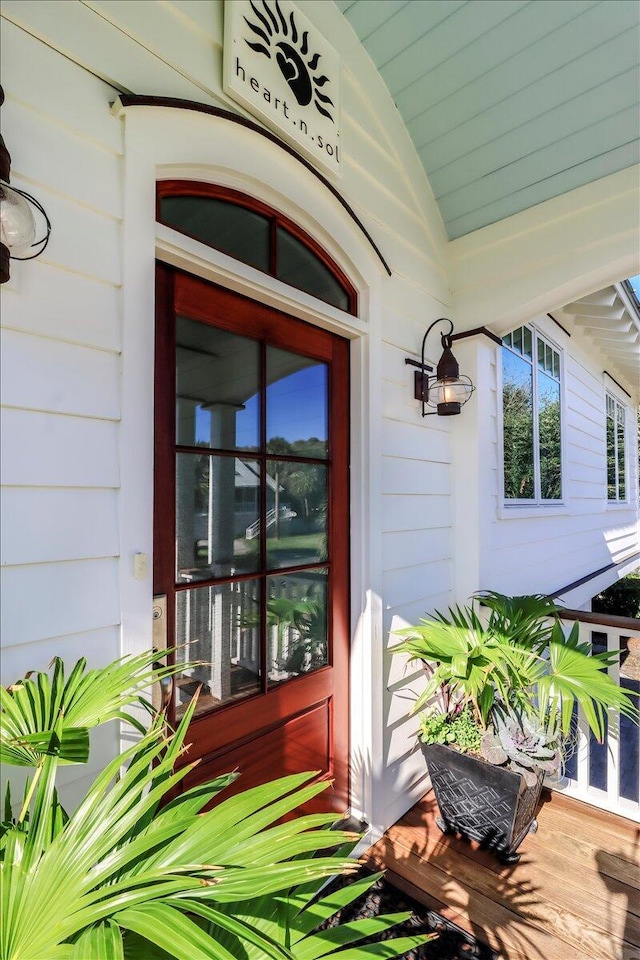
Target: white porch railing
(608, 775)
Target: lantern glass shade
(449, 395)
(17, 223)
(450, 391)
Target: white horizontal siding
(54, 599)
(405, 476)
(99, 646)
(89, 40)
(422, 510)
(55, 377)
(415, 440)
(61, 339)
(206, 17)
(412, 584)
(82, 241)
(160, 28)
(43, 450)
(44, 147)
(409, 547)
(408, 614)
(66, 87)
(55, 303)
(42, 525)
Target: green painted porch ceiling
(508, 102)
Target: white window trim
(535, 506)
(617, 503)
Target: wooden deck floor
(575, 895)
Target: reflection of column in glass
(186, 492)
(191, 637)
(222, 488)
(220, 626)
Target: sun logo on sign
(290, 55)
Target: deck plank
(573, 896)
(541, 879)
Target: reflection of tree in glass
(307, 650)
(611, 460)
(518, 441)
(300, 627)
(550, 466)
(303, 483)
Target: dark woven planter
(481, 801)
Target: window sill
(523, 511)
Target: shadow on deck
(575, 895)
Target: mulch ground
(452, 943)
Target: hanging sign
(283, 71)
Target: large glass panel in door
(297, 409)
(297, 497)
(297, 640)
(251, 534)
(297, 437)
(252, 475)
(217, 516)
(218, 633)
(217, 505)
(217, 388)
(297, 519)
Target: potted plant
(500, 701)
(131, 873)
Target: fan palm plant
(505, 692)
(133, 873)
(521, 661)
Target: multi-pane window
(616, 487)
(250, 231)
(531, 418)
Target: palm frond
(42, 715)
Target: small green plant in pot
(500, 700)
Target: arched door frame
(169, 143)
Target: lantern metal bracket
(446, 379)
(421, 382)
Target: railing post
(608, 795)
(614, 642)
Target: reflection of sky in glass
(634, 282)
(296, 410)
(297, 405)
(548, 390)
(517, 373)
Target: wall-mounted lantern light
(446, 392)
(17, 223)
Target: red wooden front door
(251, 532)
